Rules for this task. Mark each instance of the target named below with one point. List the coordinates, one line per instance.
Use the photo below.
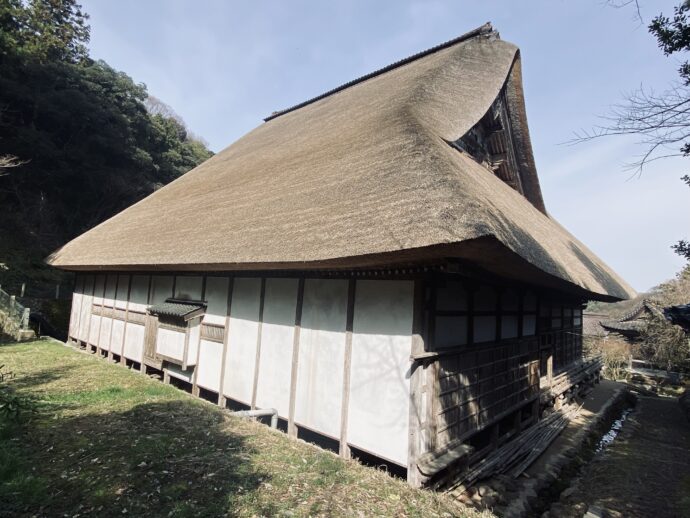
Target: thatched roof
(363, 176)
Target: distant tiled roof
(176, 308)
(634, 321)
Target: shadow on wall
(162, 459)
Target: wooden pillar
(344, 448)
(292, 429)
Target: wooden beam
(292, 429)
(222, 400)
(344, 447)
(258, 341)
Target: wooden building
(376, 263)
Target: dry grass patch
(105, 440)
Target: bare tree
(661, 121)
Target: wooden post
(344, 447)
(258, 342)
(292, 428)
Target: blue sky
(224, 65)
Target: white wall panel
(134, 342)
(122, 291)
(104, 337)
(243, 332)
(379, 381)
(277, 335)
(99, 289)
(76, 306)
(210, 358)
(193, 345)
(94, 329)
(86, 301)
(188, 287)
(170, 343)
(110, 287)
(321, 360)
(217, 298)
(117, 337)
(139, 293)
(161, 288)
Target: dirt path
(646, 471)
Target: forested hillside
(77, 142)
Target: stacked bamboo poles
(517, 455)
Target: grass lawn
(103, 440)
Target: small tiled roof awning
(186, 309)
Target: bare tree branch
(619, 4)
(660, 121)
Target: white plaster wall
(217, 298)
(122, 291)
(379, 381)
(242, 335)
(110, 286)
(99, 289)
(321, 356)
(104, 337)
(94, 329)
(193, 345)
(134, 342)
(106, 322)
(210, 358)
(277, 336)
(139, 293)
(188, 287)
(170, 343)
(161, 288)
(76, 307)
(117, 337)
(86, 301)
